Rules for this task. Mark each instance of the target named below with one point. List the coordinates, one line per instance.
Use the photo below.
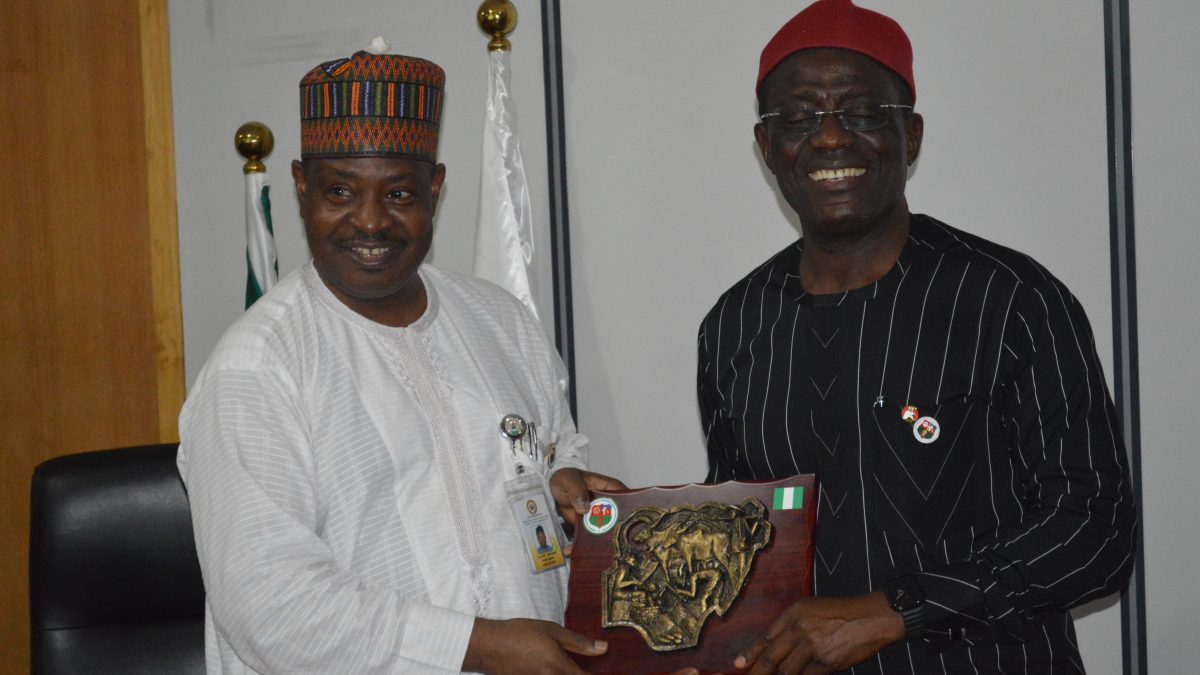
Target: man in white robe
(342, 447)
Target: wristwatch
(904, 595)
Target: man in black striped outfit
(945, 390)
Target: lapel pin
(926, 430)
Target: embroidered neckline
(312, 279)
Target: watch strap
(914, 622)
(905, 597)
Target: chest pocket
(924, 470)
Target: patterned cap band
(372, 105)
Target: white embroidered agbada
(346, 479)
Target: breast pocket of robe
(923, 477)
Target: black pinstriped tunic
(1020, 509)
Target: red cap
(841, 24)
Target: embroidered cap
(841, 24)
(372, 105)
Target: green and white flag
(261, 264)
(788, 498)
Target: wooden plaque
(779, 573)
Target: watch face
(904, 593)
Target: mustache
(376, 238)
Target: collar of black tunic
(926, 237)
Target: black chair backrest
(114, 583)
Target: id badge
(537, 521)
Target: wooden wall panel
(90, 346)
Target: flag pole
(254, 141)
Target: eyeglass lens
(806, 120)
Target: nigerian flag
(788, 498)
(261, 263)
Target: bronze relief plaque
(674, 567)
(689, 575)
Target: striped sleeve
(1053, 412)
(718, 432)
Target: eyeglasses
(857, 117)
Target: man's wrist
(479, 648)
(891, 623)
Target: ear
(298, 179)
(764, 144)
(435, 185)
(914, 130)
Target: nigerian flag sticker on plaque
(787, 498)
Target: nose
(830, 133)
(371, 216)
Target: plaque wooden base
(779, 574)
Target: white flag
(504, 228)
(262, 267)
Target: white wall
(1166, 145)
(671, 204)
(233, 61)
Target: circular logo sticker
(531, 506)
(601, 516)
(927, 430)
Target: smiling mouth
(373, 252)
(836, 174)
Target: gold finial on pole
(254, 141)
(497, 18)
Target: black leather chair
(114, 583)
